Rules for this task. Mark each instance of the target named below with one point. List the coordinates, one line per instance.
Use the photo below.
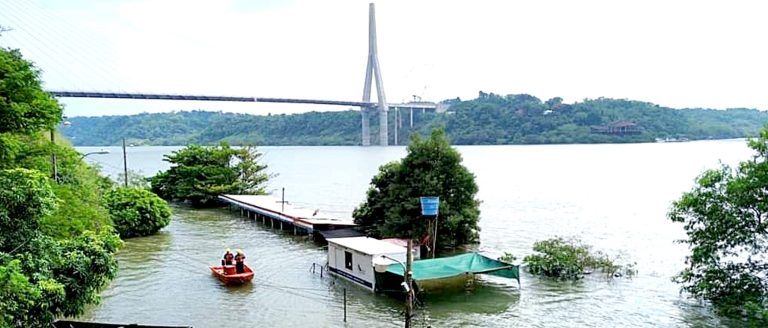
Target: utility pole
(125, 164)
(408, 283)
(434, 238)
(282, 202)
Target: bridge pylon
(374, 72)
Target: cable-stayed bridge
(367, 107)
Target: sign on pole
(430, 205)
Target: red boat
(229, 276)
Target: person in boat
(240, 262)
(228, 257)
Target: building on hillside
(617, 128)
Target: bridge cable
(78, 54)
(75, 37)
(38, 51)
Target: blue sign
(430, 205)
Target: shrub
(137, 212)
(570, 260)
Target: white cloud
(679, 54)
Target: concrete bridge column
(366, 126)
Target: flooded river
(613, 197)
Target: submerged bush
(137, 212)
(570, 260)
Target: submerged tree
(570, 259)
(725, 216)
(137, 212)
(200, 174)
(431, 168)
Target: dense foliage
(43, 277)
(570, 260)
(489, 119)
(56, 243)
(724, 216)
(137, 212)
(26, 196)
(24, 106)
(200, 174)
(431, 168)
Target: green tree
(199, 174)
(24, 106)
(431, 168)
(45, 277)
(137, 212)
(50, 264)
(25, 198)
(724, 217)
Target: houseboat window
(348, 260)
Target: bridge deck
(150, 96)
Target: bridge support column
(366, 126)
(397, 121)
(373, 72)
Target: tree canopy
(724, 217)
(431, 168)
(57, 246)
(137, 212)
(24, 106)
(25, 198)
(199, 174)
(41, 277)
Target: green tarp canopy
(447, 267)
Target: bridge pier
(366, 128)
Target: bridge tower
(374, 72)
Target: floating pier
(276, 213)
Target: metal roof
(367, 245)
(273, 204)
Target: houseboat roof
(457, 265)
(367, 245)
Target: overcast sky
(674, 53)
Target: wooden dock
(272, 211)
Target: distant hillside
(489, 119)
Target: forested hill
(489, 119)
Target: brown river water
(614, 197)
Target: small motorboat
(229, 276)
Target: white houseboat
(352, 258)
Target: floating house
(353, 259)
